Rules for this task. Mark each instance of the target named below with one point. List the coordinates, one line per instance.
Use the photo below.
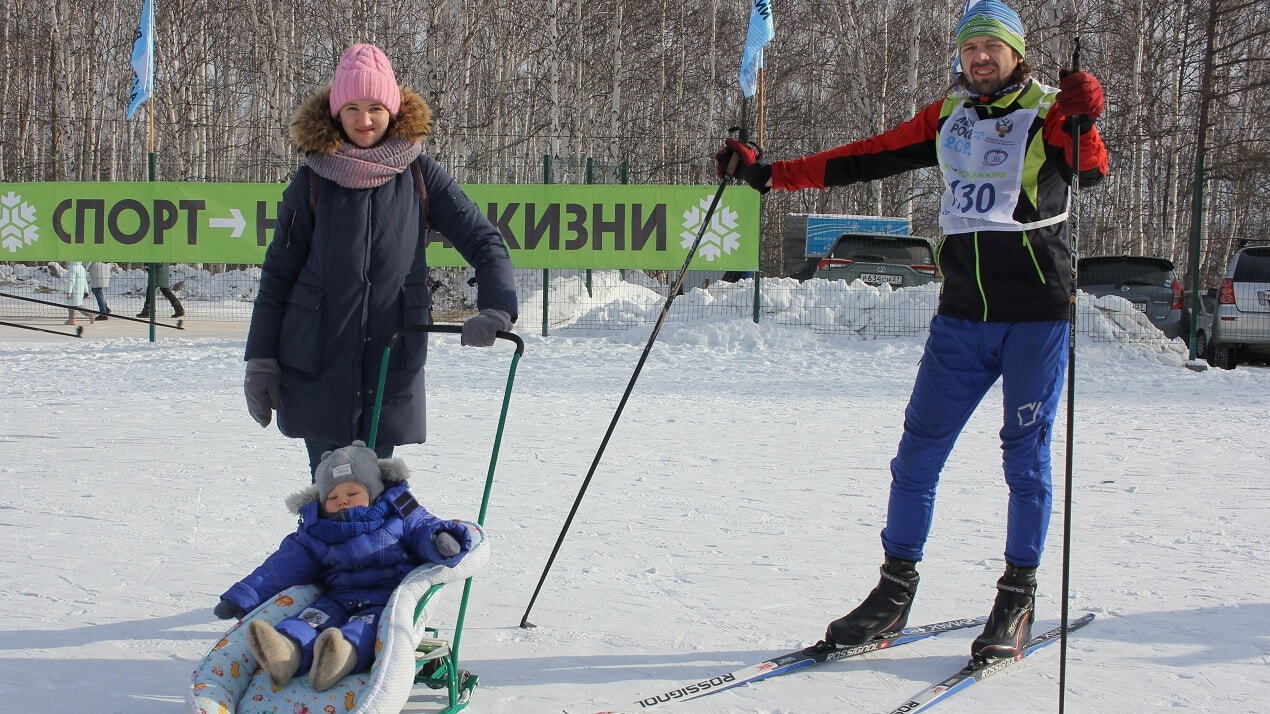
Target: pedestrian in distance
(98, 283)
(346, 267)
(76, 291)
(162, 284)
(361, 532)
(1003, 143)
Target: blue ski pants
(961, 362)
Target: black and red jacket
(989, 275)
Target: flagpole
(150, 121)
(761, 123)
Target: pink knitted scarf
(354, 167)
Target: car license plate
(875, 278)
(1140, 306)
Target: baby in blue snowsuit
(361, 531)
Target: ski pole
(661, 319)
(79, 330)
(178, 326)
(1073, 233)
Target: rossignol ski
(818, 653)
(978, 671)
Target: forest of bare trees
(652, 85)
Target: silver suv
(898, 261)
(1241, 323)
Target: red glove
(748, 168)
(1080, 94)
(747, 155)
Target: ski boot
(883, 612)
(1010, 622)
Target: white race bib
(982, 163)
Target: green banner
(544, 225)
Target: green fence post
(546, 273)
(590, 179)
(758, 278)
(621, 178)
(152, 173)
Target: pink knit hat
(365, 73)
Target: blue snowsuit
(359, 559)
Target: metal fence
(573, 300)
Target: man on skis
(1003, 143)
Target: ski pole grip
(734, 163)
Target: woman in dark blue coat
(346, 267)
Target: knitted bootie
(333, 658)
(277, 654)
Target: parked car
(1149, 282)
(899, 261)
(1241, 324)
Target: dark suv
(1241, 324)
(898, 261)
(1149, 282)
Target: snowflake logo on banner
(17, 223)
(720, 238)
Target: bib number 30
(969, 196)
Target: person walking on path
(98, 283)
(1003, 143)
(346, 267)
(163, 284)
(76, 291)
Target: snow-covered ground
(734, 513)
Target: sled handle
(507, 393)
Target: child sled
(408, 650)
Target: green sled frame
(437, 660)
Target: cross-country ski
(820, 653)
(978, 671)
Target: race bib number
(982, 164)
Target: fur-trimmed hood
(314, 130)
(392, 471)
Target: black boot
(883, 612)
(177, 310)
(1010, 622)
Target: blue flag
(760, 33)
(143, 60)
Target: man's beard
(987, 85)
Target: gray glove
(446, 545)
(480, 329)
(227, 610)
(262, 390)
